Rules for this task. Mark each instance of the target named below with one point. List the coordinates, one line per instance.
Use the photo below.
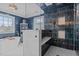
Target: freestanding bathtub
(10, 46)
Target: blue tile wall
(30, 23)
(18, 20)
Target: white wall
(31, 9)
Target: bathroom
(39, 29)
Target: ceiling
(23, 10)
(4, 7)
(33, 10)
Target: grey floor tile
(57, 51)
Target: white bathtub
(10, 47)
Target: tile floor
(57, 51)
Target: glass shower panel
(77, 27)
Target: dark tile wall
(66, 10)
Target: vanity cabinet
(36, 42)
